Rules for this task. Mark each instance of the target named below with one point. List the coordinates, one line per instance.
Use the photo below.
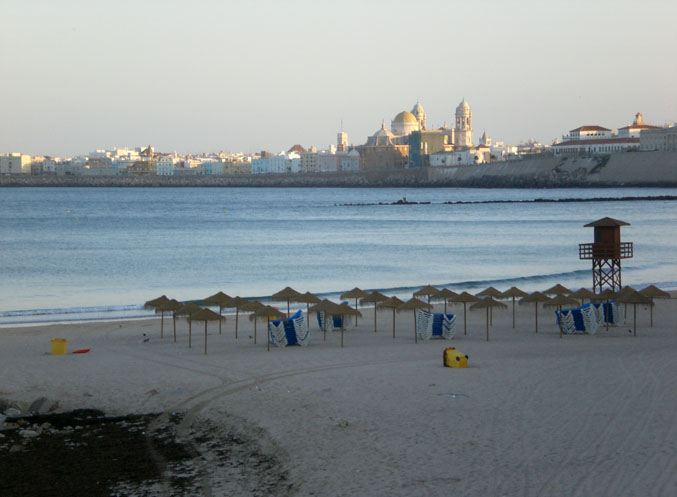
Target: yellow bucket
(59, 346)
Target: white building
(599, 140)
(663, 139)
(165, 166)
(281, 163)
(467, 157)
(15, 163)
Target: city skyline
(218, 76)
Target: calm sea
(96, 253)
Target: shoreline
(629, 169)
(359, 420)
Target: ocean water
(99, 253)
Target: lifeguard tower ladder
(606, 253)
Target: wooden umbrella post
(268, 332)
(374, 317)
(237, 312)
(488, 313)
(162, 323)
(393, 323)
(220, 311)
(465, 321)
(342, 317)
(536, 317)
(416, 327)
(634, 318)
(205, 337)
(254, 331)
(190, 334)
(174, 320)
(513, 312)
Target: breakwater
(653, 169)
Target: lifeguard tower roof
(606, 222)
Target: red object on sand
(80, 351)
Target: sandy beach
(532, 415)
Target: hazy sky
(195, 76)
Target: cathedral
(392, 148)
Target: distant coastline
(639, 169)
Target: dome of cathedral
(405, 117)
(383, 132)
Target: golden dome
(405, 117)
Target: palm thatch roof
(375, 297)
(188, 309)
(355, 293)
(444, 294)
(487, 302)
(389, 303)
(219, 298)
(582, 293)
(152, 304)
(490, 292)
(465, 297)
(427, 291)
(655, 292)
(561, 300)
(514, 292)
(557, 290)
(413, 304)
(535, 297)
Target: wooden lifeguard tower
(606, 253)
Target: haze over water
(101, 252)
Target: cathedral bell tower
(463, 130)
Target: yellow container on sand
(452, 358)
(59, 346)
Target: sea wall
(657, 169)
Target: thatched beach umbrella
(557, 290)
(170, 306)
(355, 293)
(559, 301)
(345, 310)
(466, 298)
(514, 293)
(634, 299)
(269, 313)
(605, 296)
(446, 295)
(205, 315)
(414, 304)
(152, 304)
(426, 291)
(653, 292)
(252, 306)
(374, 297)
(288, 294)
(488, 303)
(535, 298)
(220, 299)
(155, 304)
(390, 303)
(326, 306)
(187, 310)
(308, 298)
(491, 292)
(582, 293)
(626, 290)
(236, 303)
